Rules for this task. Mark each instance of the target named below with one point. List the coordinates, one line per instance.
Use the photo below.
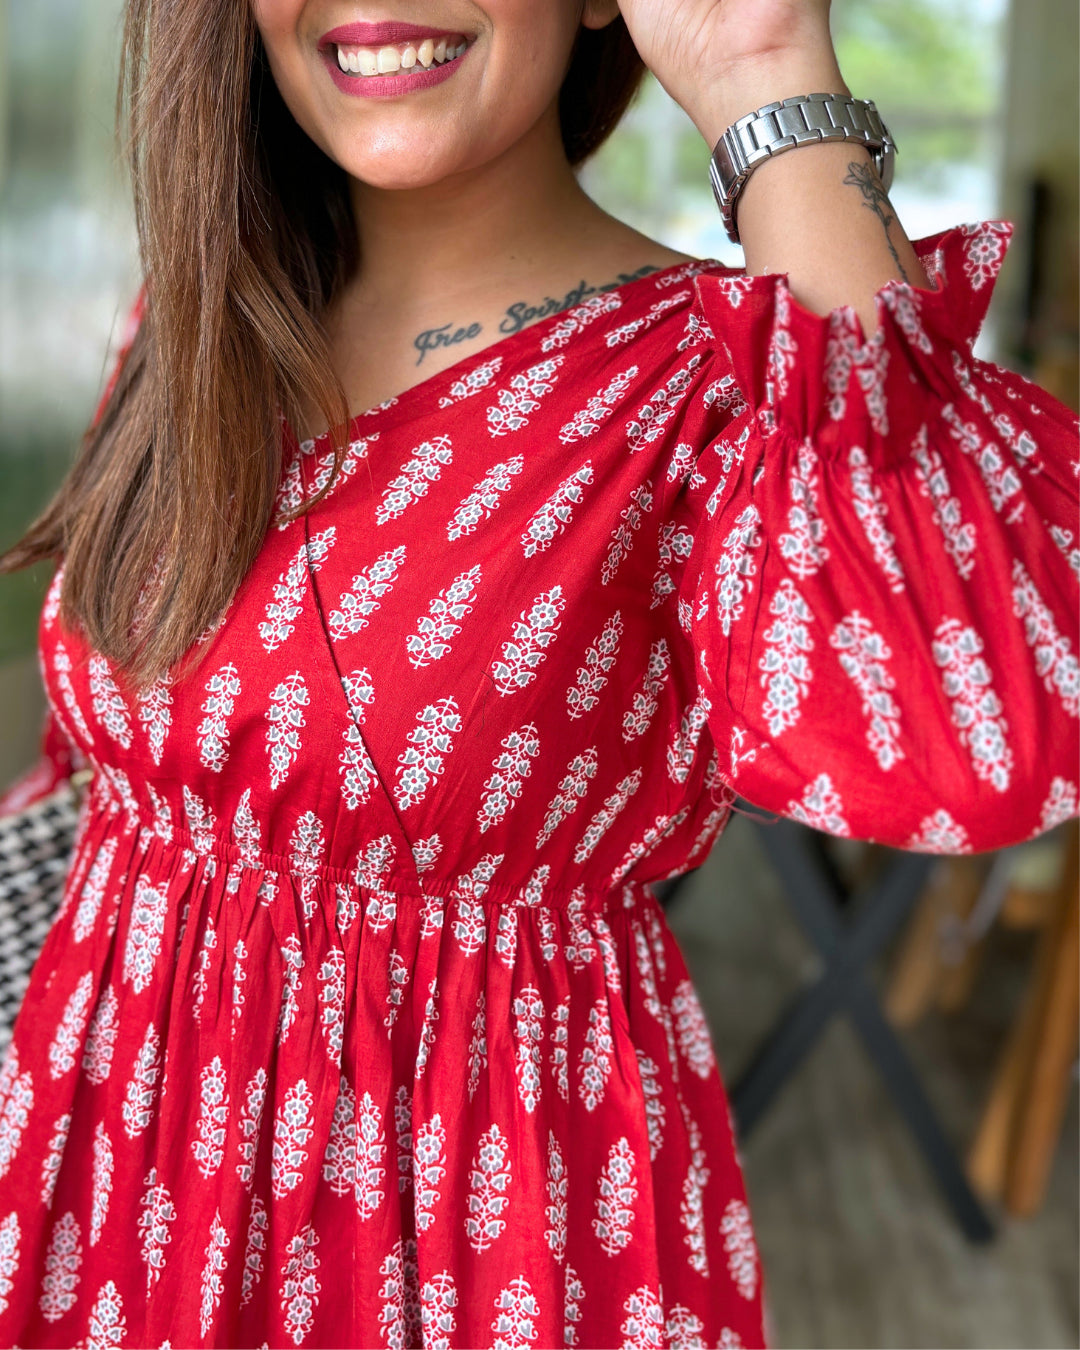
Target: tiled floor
(859, 1251)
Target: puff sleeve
(57, 757)
(881, 593)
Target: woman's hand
(714, 57)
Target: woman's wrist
(733, 91)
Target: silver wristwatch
(804, 119)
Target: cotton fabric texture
(359, 1024)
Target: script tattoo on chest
(519, 314)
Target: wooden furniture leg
(1042, 1107)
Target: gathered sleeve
(881, 593)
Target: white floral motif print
(484, 498)
(509, 770)
(431, 742)
(157, 1214)
(431, 641)
(291, 1133)
(1060, 804)
(643, 1328)
(1054, 660)
(365, 594)
(9, 1255)
(557, 512)
(306, 847)
(332, 998)
(101, 1037)
(476, 379)
(939, 833)
(572, 787)
(211, 1285)
(984, 250)
(354, 762)
(535, 630)
(50, 1168)
(557, 1187)
(223, 688)
(692, 1029)
(292, 494)
(691, 1208)
(645, 703)
(583, 695)
(515, 1309)
(339, 1157)
(522, 396)
(1001, 479)
(416, 474)
(62, 1261)
(528, 1010)
(871, 510)
(292, 962)
(155, 713)
(605, 817)
(616, 1192)
(596, 1063)
(108, 1325)
(62, 668)
(93, 890)
(622, 536)
(489, 1184)
(785, 670)
(438, 1298)
(101, 1181)
(820, 807)
(300, 1287)
(621, 335)
(68, 1035)
(682, 752)
(586, 421)
(578, 319)
(140, 1093)
(370, 1147)
(107, 701)
(802, 548)
(741, 1248)
(958, 536)
(251, 1113)
(653, 416)
(863, 654)
(17, 1094)
(253, 1249)
(674, 546)
(735, 567)
(285, 718)
(429, 1165)
(209, 1147)
(287, 604)
(976, 708)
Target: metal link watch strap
(804, 119)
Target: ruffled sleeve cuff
(820, 376)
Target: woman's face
(438, 114)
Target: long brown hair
(246, 234)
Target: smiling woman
(400, 688)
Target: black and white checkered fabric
(35, 853)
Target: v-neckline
(507, 343)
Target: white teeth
(389, 61)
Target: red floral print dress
(359, 1024)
